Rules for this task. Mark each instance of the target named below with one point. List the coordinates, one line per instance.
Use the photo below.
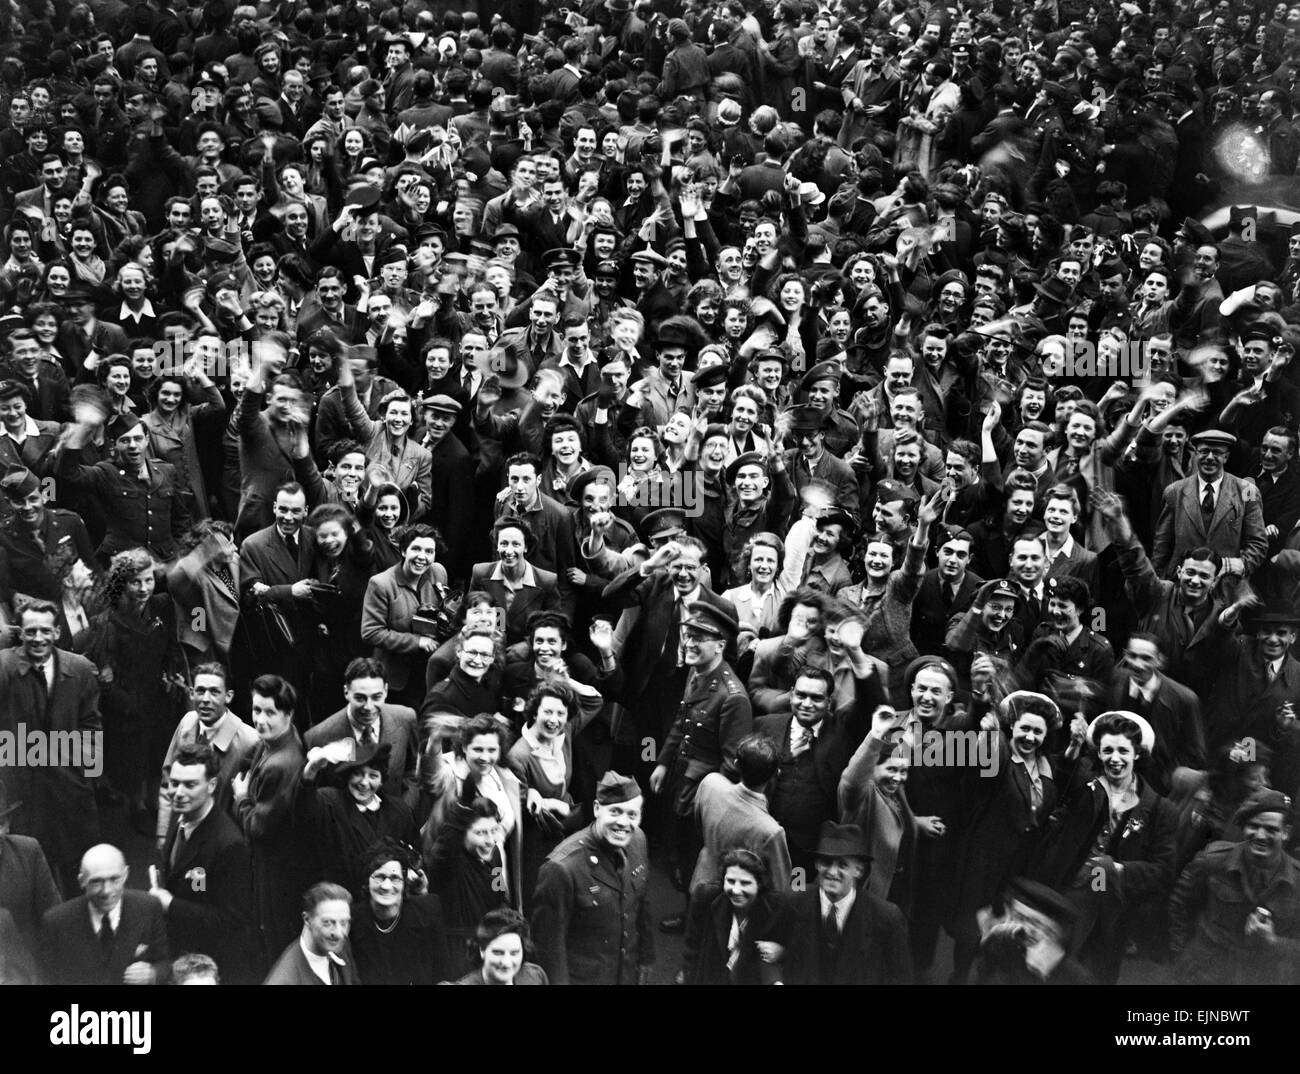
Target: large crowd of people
(460, 463)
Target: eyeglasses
(387, 878)
(478, 655)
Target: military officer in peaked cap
(715, 714)
(591, 914)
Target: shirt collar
(529, 578)
(145, 311)
(319, 964)
(842, 908)
(1215, 485)
(1041, 768)
(30, 429)
(114, 917)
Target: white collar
(319, 964)
(145, 311)
(1148, 690)
(1216, 484)
(842, 908)
(529, 579)
(114, 917)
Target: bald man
(107, 935)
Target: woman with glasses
(398, 936)
(473, 683)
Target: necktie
(802, 740)
(1207, 505)
(336, 978)
(182, 837)
(467, 382)
(106, 936)
(367, 736)
(42, 689)
(831, 924)
(672, 640)
(1269, 673)
(291, 542)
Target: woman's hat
(1148, 732)
(371, 755)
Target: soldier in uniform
(141, 499)
(1235, 912)
(715, 714)
(39, 543)
(821, 388)
(591, 912)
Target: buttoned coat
(592, 922)
(1236, 528)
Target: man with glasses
(1211, 509)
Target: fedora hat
(842, 841)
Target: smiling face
(364, 784)
(1028, 562)
(511, 548)
(614, 822)
(327, 926)
(931, 694)
(1117, 756)
(763, 565)
(503, 957)
(998, 612)
(419, 556)
(552, 718)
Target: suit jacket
(872, 947)
(233, 742)
(212, 887)
(1175, 715)
(27, 888)
(932, 610)
(71, 951)
(58, 804)
(807, 789)
(650, 601)
(835, 473)
(1280, 503)
(265, 557)
(544, 596)
(730, 815)
(291, 968)
(1080, 563)
(397, 728)
(1236, 528)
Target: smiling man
(321, 955)
(203, 884)
(208, 723)
(1235, 912)
(368, 719)
(591, 917)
